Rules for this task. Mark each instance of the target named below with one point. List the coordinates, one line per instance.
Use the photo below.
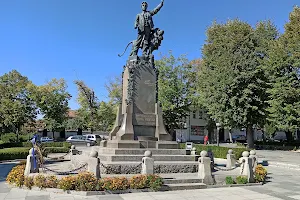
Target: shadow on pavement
(5, 169)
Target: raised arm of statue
(157, 9)
(136, 23)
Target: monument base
(141, 144)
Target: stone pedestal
(247, 167)
(140, 113)
(148, 163)
(29, 168)
(254, 159)
(204, 170)
(230, 159)
(94, 164)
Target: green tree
(52, 100)
(114, 89)
(175, 88)
(89, 106)
(107, 116)
(16, 104)
(283, 71)
(231, 82)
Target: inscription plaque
(145, 120)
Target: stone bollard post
(94, 164)
(204, 171)
(29, 168)
(194, 152)
(247, 167)
(148, 163)
(230, 159)
(73, 152)
(254, 159)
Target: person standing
(206, 140)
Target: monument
(139, 122)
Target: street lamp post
(218, 133)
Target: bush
(219, 152)
(16, 176)
(154, 182)
(260, 173)
(138, 182)
(241, 180)
(67, 183)
(29, 144)
(14, 153)
(28, 182)
(229, 180)
(115, 183)
(40, 181)
(48, 150)
(51, 182)
(86, 181)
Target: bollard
(29, 168)
(247, 167)
(103, 143)
(193, 152)
(210, 154)
(230, 159)
(148, 163)
(94, 164)
(254, 159)
(73, 150)
(204, 171)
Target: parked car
(238, 138)
(46, 139)
(94, 137)
(80, 140)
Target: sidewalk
(207, 194)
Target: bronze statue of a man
(145, 26)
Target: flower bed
(84, 181)
(260, 176)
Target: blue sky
(80, 39)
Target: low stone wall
(158, 168)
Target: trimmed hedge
(48, 150)
(22, 152)
(14, 153)
(29, 144)
(219, 152)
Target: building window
(194, 114)
(200, 114)
(197, 130)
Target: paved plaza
(283, 184)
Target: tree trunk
(17, 134)
(289, 136)
(218, 136)
(53, 134)
(230, 136)
(250, 136)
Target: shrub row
(84, 181)
(14, 153)
(29, 144)
(219, 152)
(22, 152)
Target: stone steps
(183, 186)
(181, 181)
(131, 158)
(112, 151)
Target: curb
(96, 193)
(12, 161)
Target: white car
(93, 137)
(46, 139)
